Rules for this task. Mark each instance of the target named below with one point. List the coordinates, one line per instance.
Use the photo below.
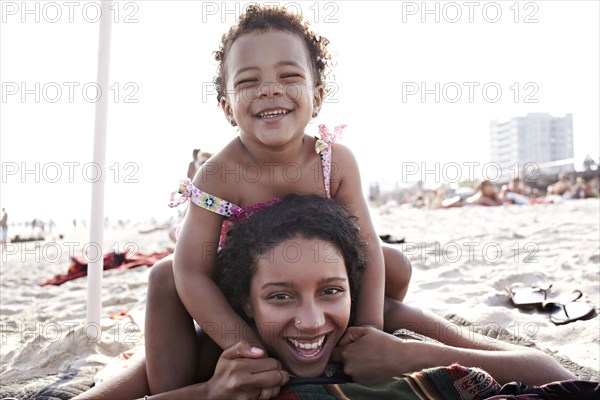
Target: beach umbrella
(95, 264)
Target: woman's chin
(307, 371)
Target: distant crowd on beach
(486, 193)
(38, 229)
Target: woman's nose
(310, 317)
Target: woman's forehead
(302, 260)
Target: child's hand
(350, 336)
(370, 356)
(255, 341)
(243, 372)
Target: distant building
(538, 142)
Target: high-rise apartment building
(536, 143)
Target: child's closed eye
(289, 76)
(246, 82)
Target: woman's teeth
(310, 345)
(271, 114)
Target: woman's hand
(371, 356)
(242, 372)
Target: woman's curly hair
(295, 216)
(264, 18)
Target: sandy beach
(462, 260)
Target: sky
(417, 84)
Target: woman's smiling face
(300, 303)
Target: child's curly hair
(295, 216)
(264, 18)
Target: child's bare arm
(369, 310)
(371, 356)
(194, 262)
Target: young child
(270, 85)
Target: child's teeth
(272, 113)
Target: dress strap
(323, 148)
(202, 199)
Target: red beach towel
(119, 260)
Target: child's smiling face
(270, 89)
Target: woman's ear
(248, 309)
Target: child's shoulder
(344, 171)
(217, 175)
(325, 139)
(342, 155)
(231, 153)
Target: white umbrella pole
(95, 263)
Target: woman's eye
(332, 291)
(286, 76)
(279, 296)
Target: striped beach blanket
(453, 383)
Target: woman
(293, 271)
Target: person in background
(193, 165)
(200, 158)
(516, 192)
(4, 228)
(561, 187)
(581, 189)
(486, 195)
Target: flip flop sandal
(528, 296)
(566, 308)
(562, 299)
(569, 312)
(391, 239)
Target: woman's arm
(241, 373)
(371, 356)
(369, 310)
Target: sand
(462, 260)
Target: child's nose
(270, 89)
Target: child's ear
(248, 309)
(318, 97)
(227, 110)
